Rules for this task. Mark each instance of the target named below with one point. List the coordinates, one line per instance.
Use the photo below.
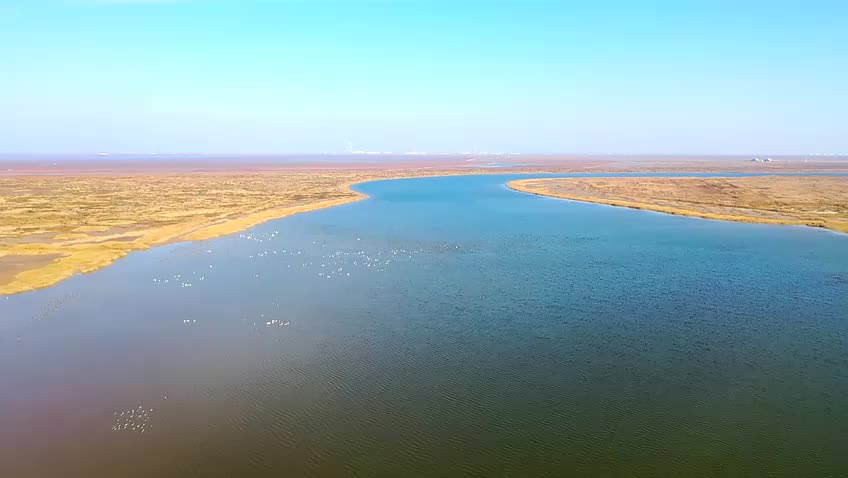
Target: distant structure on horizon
(351, 150)
(759, 160)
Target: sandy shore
(816, 201)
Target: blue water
(480, 331)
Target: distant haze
(252, 76)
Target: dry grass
(55, 225)
(818, 201)
(52, 227)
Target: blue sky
(279, 76)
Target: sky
(530, 76)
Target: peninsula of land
(56, 226)
(817, 201)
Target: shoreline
(72, 256)
(56, 271)
(519, 185)
(69, 264)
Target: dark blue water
(444, 327)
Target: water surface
(444, 327)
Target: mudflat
(818, 201)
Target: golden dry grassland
(52, 227)
(54, 224)
(818, 201)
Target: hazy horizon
(391, 155)
(537, 77)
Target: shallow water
(480, 331)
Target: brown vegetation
(59, 218)
(818, 201)
(53, 227)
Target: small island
(817, 201)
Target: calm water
(445, 327)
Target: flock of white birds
(318, 261)
(133, 420)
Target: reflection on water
(443, 327)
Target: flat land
(52, 227)
(60, 216)
(818, 201)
